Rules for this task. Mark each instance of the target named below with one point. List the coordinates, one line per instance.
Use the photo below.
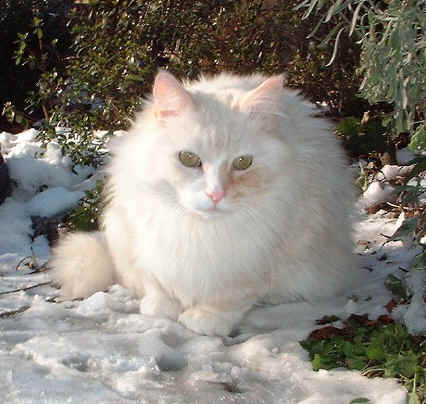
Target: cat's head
(220, 149)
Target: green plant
(86, 216)
(36, 37)
(418, 139)
(374, 347)
(117, 47)
(393, 57)
(363, 137)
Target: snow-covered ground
(100, 350)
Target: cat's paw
(206, 322)
(159, 306)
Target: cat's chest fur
(197, 259)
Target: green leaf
(336, 45)
(413, 398)
(323, 362)
(355, 17)
(37, 21)
(420, 261)
(405, 231)
(419, 166)
(358, 362)
(136, 77)
(404, 365)
(418, 140)
(332, 10)
(395, 286)
(359, 400)
(376, 352)
(349, 126)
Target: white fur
(83, 264)
(284, 235)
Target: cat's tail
(82, 264)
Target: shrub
(117, 47)
(30, 30)
(393, 59)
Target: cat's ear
(264, 98)
(170, 98)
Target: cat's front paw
(206, 322)
(159, 306)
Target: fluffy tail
(82, 264)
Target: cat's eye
(242, 162)
(189, 159)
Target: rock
(5, 185)
(51, 227)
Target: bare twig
(6, 314)
(400, 207)
(21, 261)
(25, 288)
(32, 264)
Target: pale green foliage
(393, 58)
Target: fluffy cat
(227, 191)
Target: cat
(227, 191)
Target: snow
(389, 172)
(376, 193)
(53, 201)
(404, 156)
(102, 350)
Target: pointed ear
(170, 98)
(264, 98)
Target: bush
(393, 60)
(22, 22)
(117, 47)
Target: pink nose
(216, 196)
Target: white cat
(227, 191)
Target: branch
(25, 288)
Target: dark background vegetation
(108, 53)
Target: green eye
(189, 159)
(242, 162)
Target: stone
(5, 185)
